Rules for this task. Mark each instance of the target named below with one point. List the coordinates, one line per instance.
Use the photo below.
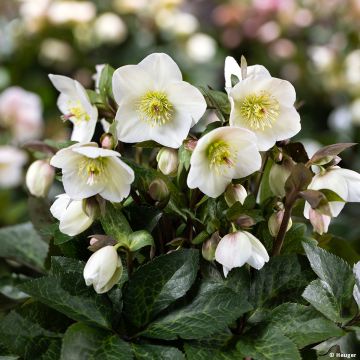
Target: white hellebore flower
(71, 214)
(221, 155)
(12, 161)
(155, 103)
(88, 170)
(103, 269)
(39, 178)
(238, 248)
(264, 105)
(74, 103)
(344, 182)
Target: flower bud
(275, 221)
(103, 269)
(159, 191)
(234, 193)
(190, 144)
(209, 247)
(319, 221)
(39, 178)
(168, 161)
(107, 141)
(277, 179)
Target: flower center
(259, 110)
(76, 112)
(92, 169)
(155, 108)
(219, 153)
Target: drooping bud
(91, 207)
(319, 221)
(39, 178)
(107, 141)
(275, 221)
(159, 191)
(209, 247)
(103, 269)
(277, 179)
(190, 144)
(168, 161)
(234, 193)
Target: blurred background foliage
(312, 43)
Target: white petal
(259, 254)
(74, 220)
(231, 68)
(233, 250)
(186, 99)
(162, 67)
(59, 206)
(95, 152)
(130, 81)
(257, 70)
(352, 179)
(119, 177)
(64, 85)
(282, 90)
(65, 158)
(84, 130)
(114, 280)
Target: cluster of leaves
(170, 303)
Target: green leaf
(303, 324)
(336, 273)
(84, 342)
(214, 307)
(319, 295)
(267, 344)
(105, 83)
(94, 97)
(156, 352)
(331, 195)
(25, 331)
(115, 224)
(282, 279)
(140, 239)
(327, 153)
(184, 157)
(23, 244)
(216, 100)
(198, 352)
(64, 290)
(294, 239)
(265, 191)
(158, 283)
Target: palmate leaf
(336, 285)
(85, 342)
(23, 244)
(198, 352)
(157, 284)
(64, 290)
(267, 344)
(214, 307)
(33, 331)
(156, 352)
(303, 324)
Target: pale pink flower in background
(12, 161)
(21, 113)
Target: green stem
(260, 177)
(129, 262)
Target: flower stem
(279, 241)
(129, 262)
(260, 177)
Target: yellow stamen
(259, 110)
(220, 153)
(77, 112)
(155, 108)
(92, 169)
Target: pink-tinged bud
(319, 221)
(159, 191)
(234, 193)
(93, 241)
(107, 141)
(209, 247)
(39, 178)
(277, 179)
(275, 221)
(168, 161)
(190, 144)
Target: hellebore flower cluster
(150, 103)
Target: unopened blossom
(39, 178)
(319, 221)
(75, 105)
(21, 113)
(12, 161)
(344, 182)
(221, 155)
(238, 248)
(103, 269)
(235, 193)
(265, 105)
(277, 178)
(275, 221)
(88, 170)
(168, 161)
(71, 214)
(155, 103)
